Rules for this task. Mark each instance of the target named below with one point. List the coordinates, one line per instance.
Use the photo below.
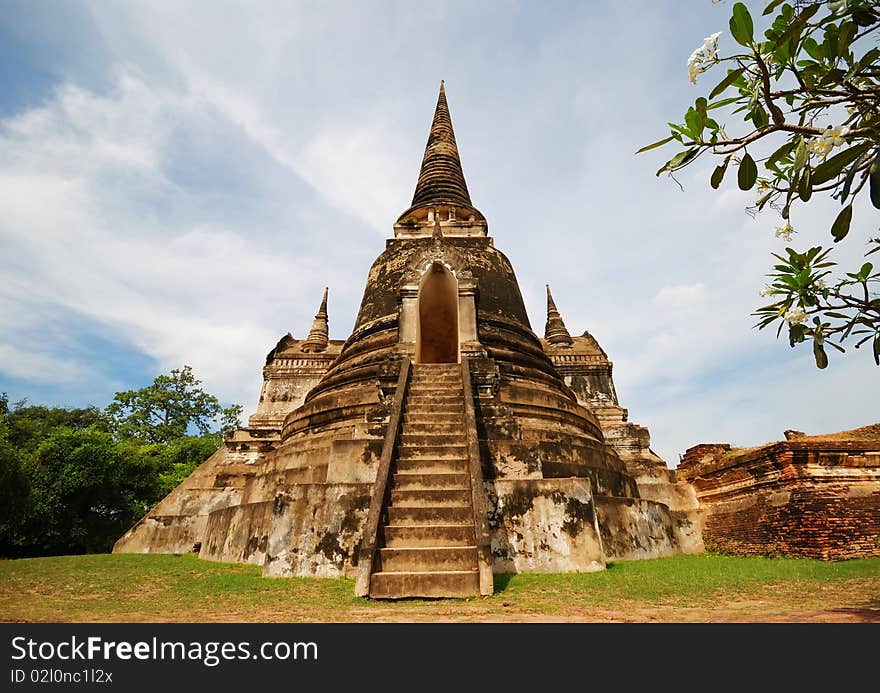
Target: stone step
(416, 482)
(428, 388)
(426, 465)
(458, 583)
(430, 516)
(432, 440)
(438, 417)
(430, 400)
(432, 427)
(429, 498)
(443, 394)
(433, 558)
(434, 452)
(399, 536)
(427, 408)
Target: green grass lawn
(705, 587)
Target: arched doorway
(437, 330)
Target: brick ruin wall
(793, 498)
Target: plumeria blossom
(765, 292)
(702, 57)
(796, 316)
(785, 231)
(828, 140)
(820, 284)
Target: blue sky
(179, 181)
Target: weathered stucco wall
(632, 528)
(316, 530)
(310, 530)
(177, 523)
(543, 526)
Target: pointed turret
(318, 336)
(441, 188)
(441, 180)
(555, 331)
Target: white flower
(828, 140)
(796, 316)
(820, 284)
(784, 232)
(766, 291)
(701, 58)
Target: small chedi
(815, 496)
(441, 442)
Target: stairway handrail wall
(369, 542)
(478, 494)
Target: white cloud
(681, 295)
(73, 172)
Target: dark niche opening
(437, 332)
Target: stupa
(442, 442)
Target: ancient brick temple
(816, 496)
(441, 442)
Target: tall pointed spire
(318, 335)
(555, 331)
(441, 180)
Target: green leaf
(732, 76)
(819, 352)
(831, 168)
(679, 160)
(741, 25)
(865, 271)
(722, 103)
(877, 349)
(779, 154)
(718, 173)
(759, 116)
(864, 17)
(840, 227)
(772, 6)
(694, 123)
(748, 172)
(813, 48)
(874, 181)
(659, 143)
(805, 185)
(795, 27)
(845, 37)
(800, 154)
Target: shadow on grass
(502, 580)
(869, 612)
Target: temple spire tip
(318, 338)
(555, 330)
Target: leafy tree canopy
(73, 480)
(807, 90)
(166, 409)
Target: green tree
(14, 494)
(808, 90)
(166, 409)
(84, 492)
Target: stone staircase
(427, 544)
